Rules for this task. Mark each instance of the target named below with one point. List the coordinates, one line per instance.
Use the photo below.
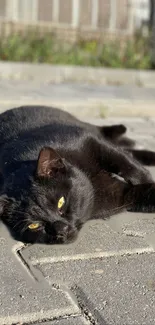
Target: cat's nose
(61, 228)
(58, 229)
(61, 232)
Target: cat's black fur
(46, 154)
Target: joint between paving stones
(30, 270)
(46, 320)
(17, 251)
(41, 281)
(82, 306)
(86, 307)
(26, 321)
(26, 265)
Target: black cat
(58, 172)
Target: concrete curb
(60, 73)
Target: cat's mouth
(66, 237)
(61, 233)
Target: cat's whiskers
(20, 222)
(24, 228)
(26, 220)
(120, 207)
(19, 211)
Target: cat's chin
(66, 239)
(61, 241)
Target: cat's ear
(49, 163)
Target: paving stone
(152, 120)
(31, 88)
(152, 171)
(142, 141)
(97, 239)
(94, 100)
(21, 299)
(131, 122)
(118, 290)
(140, 137)
(139, 225)
(146, 130)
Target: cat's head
(49, 205)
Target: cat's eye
(61, 203)
(34, 226)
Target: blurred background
(110, 33)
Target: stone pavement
(82, 99)
(106, 277)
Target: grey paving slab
(145, 129)
(139, 225)
(117, 290)
(130, 122)
(19, 88)
(141, 139)
(97, 239)
(148, 143)
(152, 171)
(21, 299)
(81, 99)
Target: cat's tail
(145, 157)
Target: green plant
(133, 53)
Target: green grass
(116, 54)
